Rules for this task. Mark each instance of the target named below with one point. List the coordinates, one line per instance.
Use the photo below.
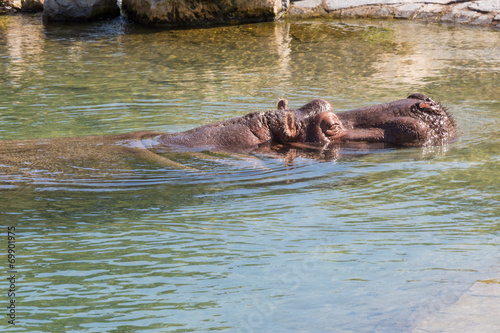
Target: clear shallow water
(371, 241)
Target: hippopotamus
(414, 121)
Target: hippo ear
(282, 104)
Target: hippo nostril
(331, 127)
(335, 131)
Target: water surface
(368, 241)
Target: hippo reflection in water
(414, 121)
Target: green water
(372, 241)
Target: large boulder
(189, 13)
(79, 10)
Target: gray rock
(407, 11)
(79, 10)
(430, 11)
(459, 15)
(363, 11)
(331, 5)
(485, 6)
(383, 12)
(497, 18)
(309, 4)
(482, 20)
(298, 11)
(339, 4)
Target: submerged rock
(187, 13)
(79, 10)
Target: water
(369, 241)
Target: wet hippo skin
(413, 121)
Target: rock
(79, 10)
(308, 3)
(407, 11)
(486, 6)
(430, 11)
(27, 6)
(32, 6)
(364, 11)
(298, 11)
(383, 12)
(190, 13)
(331, 5)
(482, 20)
(459, 14)
(483, 12)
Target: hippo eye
(427, 107)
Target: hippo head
(414, 121)
(439, 126)
(314, 122)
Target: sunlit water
(367, 241)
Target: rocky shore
(483, 13)
(192, 13)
